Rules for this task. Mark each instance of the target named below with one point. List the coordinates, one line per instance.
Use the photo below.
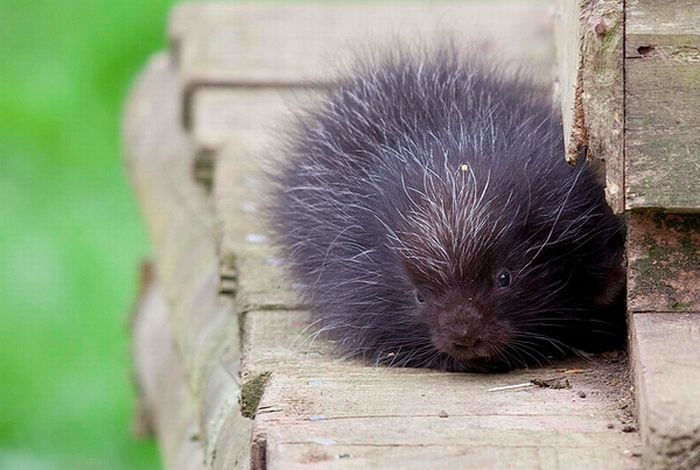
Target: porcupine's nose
(468, 341)
(461, 331)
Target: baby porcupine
(425, 208)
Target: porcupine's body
(425, 209)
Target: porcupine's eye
(419, 298)
(503, 279)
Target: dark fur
(426, 177)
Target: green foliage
(70, 234)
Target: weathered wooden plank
(669, 17)
(241, 114)
(227, 44)
(213, 111)
(245, 43)
(591, 86)
(663, 105)
(663, 263)
(317, 410)
(250, 116)
(662, 125)
(179, 215)
(666, 349)
(239, 193)
(164, 393)
(664, 323)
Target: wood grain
(243, 44)
(302, 45)
(663, 105)
(165, 394)
(179, 215)
(664, 323)
(319, 411)
(666, 348)
(590, 72)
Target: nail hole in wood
(645, 51)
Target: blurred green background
(71, 238)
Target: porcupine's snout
(466, 334)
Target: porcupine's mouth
(484, 365)
(464, 353)
(467, 356)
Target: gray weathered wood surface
(665, 351)
(664, 324)
(306, 44)
(589, 38)
(662, 171)
(203, 324)
(318, 410)
(222, 42)
(163, 392)
(653, 164)
(662, 66)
